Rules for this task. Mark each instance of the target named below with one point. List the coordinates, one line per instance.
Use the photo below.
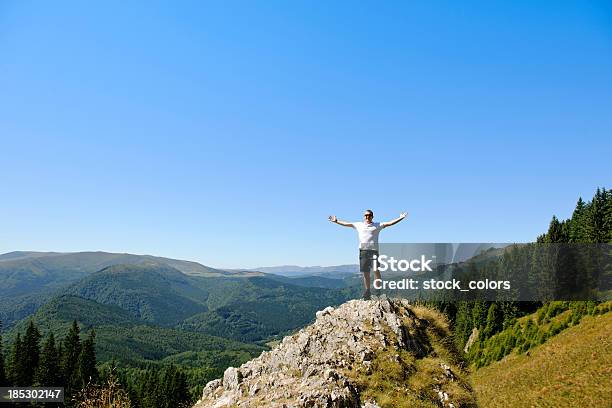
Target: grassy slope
(401, 379)
(571, 369)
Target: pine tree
(31, 353)
(48, 371)
(174, 384)
(599, 217)
(3, 378)
(149, 390)
(494, 321)
(595, 219)
(60, 359)
(479, 314)
(87, 360)
(463, 324)
(16, 369)
(607, 214)
(71, 351)
(577, 230)
(510, 312)
(557, 231)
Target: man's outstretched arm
(335, 220)
(395, 221)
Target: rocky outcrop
(341, 361)
(471, 340)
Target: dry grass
(437, 320)
(572, 369)
(400, 379)
(109, 395)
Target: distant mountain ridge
(295, 270)
(29, 278)
(16, 255)
(92, 261)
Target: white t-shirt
(368, 234)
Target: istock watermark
(495, 271)
(384, 263)
(433, 284)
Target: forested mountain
(150, 292)
(121, 336)
(264, 308)
(317, 281)
(137, 309)
(29, 279)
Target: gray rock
(471, 340)
(310, 367)
(232, 378)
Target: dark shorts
(366, 260)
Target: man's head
(368, 216)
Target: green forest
(499, 325)
(72, 363)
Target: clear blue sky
(227, 132)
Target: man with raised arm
(368, 243)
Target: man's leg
(364, 267)
(377, 292)
(374, 268)
(366, 283)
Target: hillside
(315, 281)
(131, 341)
(28, 279)
(140, 310)
(571, 369)
(154, 293)
(244, 309)
(254, 309)
(378, 353)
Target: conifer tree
(48, 374)
(577, 230)
(556, 231)
(494, 320)
(509, 311)
(3, 375)
(71, 351)
(60, 359)
(607, 214)
(31, 353)
(150, 396)
(463, 324)
(479, 314)
(595, 222)
(87, 360)
(16, 371)
(599, 216)
(175, 384)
